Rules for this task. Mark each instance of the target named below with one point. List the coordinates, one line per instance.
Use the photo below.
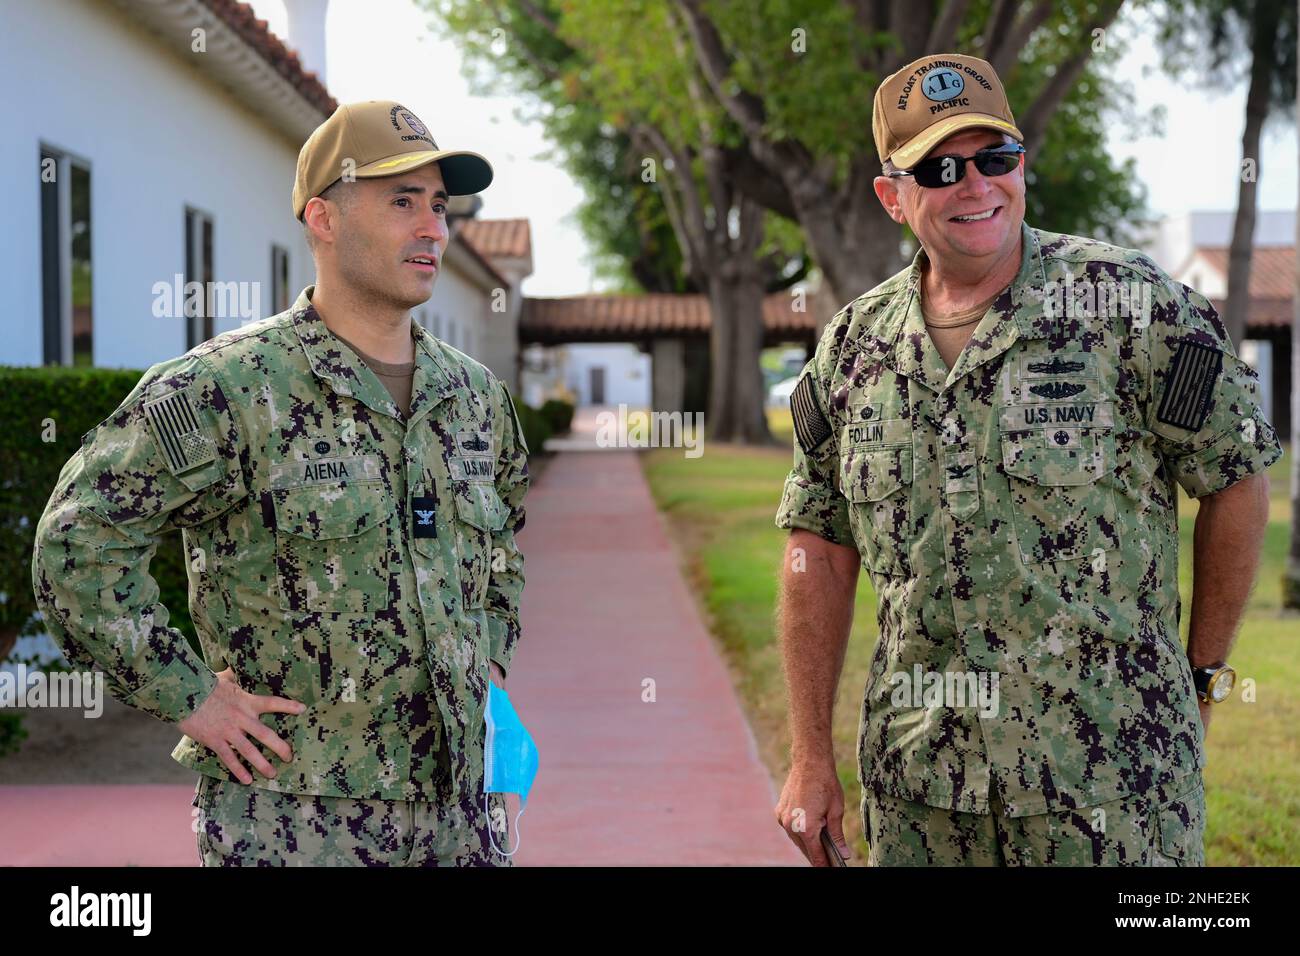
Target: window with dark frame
(67, 299)
(198, 268)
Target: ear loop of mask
(488, 812)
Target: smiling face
(976, 219)
(385, 240)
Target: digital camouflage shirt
(337, 555)
(1018, 519)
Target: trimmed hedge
(12, 731)
(67, 402)
(558, 414)
(536, 428)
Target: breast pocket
(878, 486)
(479, 512)
(1062, 499)
(332, 546)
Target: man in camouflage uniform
(1010, 488)
(348, 521)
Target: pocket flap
(876, 474)
(1058, 456)
(479, 504)
(331, 509)
(1181, 821)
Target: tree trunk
(725, 262)
(1263, 46)
(854, 242)
(871, 254)
(1291, 578)
(736, 398)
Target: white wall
(1258, 354)
(541, 373)
(80, 76)
(455, 313)
(627, 373)
(1208, 281)
(1171, 242)
(500, 338)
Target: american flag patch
(176, 427)
(810, 425)
(1189, 385)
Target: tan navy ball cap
(930, 99)
(379, 138)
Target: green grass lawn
(721, 508)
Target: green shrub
(536, 428)
(12, 731)
(558, 414)
(62, 404)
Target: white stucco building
(152, 143)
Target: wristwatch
(1214, 684)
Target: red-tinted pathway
(605, 609)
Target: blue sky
(384, 49)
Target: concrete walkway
(624, 779)
(584, 431)
(605, 609)
(98, 825)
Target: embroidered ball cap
(379, 138)
(930, 99)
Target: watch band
(1213, 684)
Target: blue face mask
(509, 758)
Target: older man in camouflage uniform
(348, 487)
(1000, 450)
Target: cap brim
(463, 173)
(914, 150)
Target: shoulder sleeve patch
(810, 425)
(1189, 385)
(177, 430)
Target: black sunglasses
(939, 171)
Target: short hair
(341, 193)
